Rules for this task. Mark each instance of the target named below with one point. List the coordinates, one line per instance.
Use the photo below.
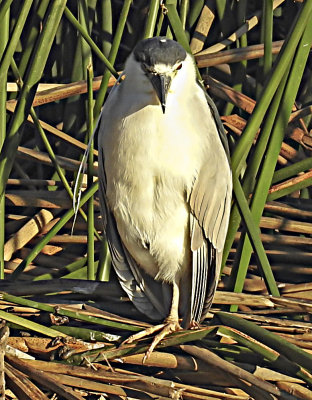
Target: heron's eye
(148, 70)
(179, 67)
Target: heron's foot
(169, 326)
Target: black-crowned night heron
(165, 186)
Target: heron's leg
(174, 310)
(170, 325)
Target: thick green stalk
(88, 39)
(74, 266)
(151, 19)
(27, 93)
(68, 313)
(112, 57)
(34, 23)
(242, 149)
(254, 237)
(159, 24)
(292, 170)
(176, 25)
(265, 179)
(85, 48)
(104, 266)
(4, 6)
(107, 26)
(81, 273)
(45, 239)
(265, 63)
(4, 30)
(26, 323)
(245, 340)
(86, 334)
(15, 37)
(267, 34)
(184, 8)
(90, 221)
(74, 112)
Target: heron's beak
(161, 84)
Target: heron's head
(161, 61)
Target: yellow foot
(165, 329)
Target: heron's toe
(170, 326)
(142, 334)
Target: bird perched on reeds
(165, 186)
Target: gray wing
(142, 290)
(210, 202)
(219, 124)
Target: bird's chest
(151, 164)
(147, 145)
